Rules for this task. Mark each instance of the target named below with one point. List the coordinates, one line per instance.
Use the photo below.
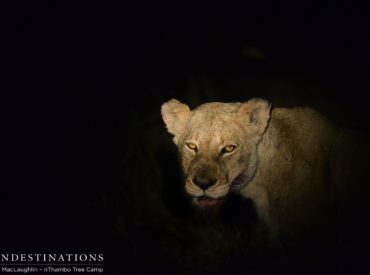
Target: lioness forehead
(214, 122)
(214, 113)
(216, 109)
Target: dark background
(91, 165)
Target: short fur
(282, 160)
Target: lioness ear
(256, 113)
(175, 115)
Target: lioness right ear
(255, 114)
(175, 115)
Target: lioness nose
(203, 183)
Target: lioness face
(217, 144)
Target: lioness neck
(291, 155)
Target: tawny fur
(285, 156)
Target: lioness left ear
(175, 115)
(256, 113)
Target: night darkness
(90, 165)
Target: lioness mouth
(207, 202)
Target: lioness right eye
(228, 149)
(192, 146)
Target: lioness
(282, 159)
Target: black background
(87, 148)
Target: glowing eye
(228, 149)
(192, 146)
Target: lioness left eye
(192, 146)
(228, 149)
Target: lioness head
(217, 144)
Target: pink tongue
(205, 202)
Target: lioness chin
(279, 158)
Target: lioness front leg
(261, 202)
